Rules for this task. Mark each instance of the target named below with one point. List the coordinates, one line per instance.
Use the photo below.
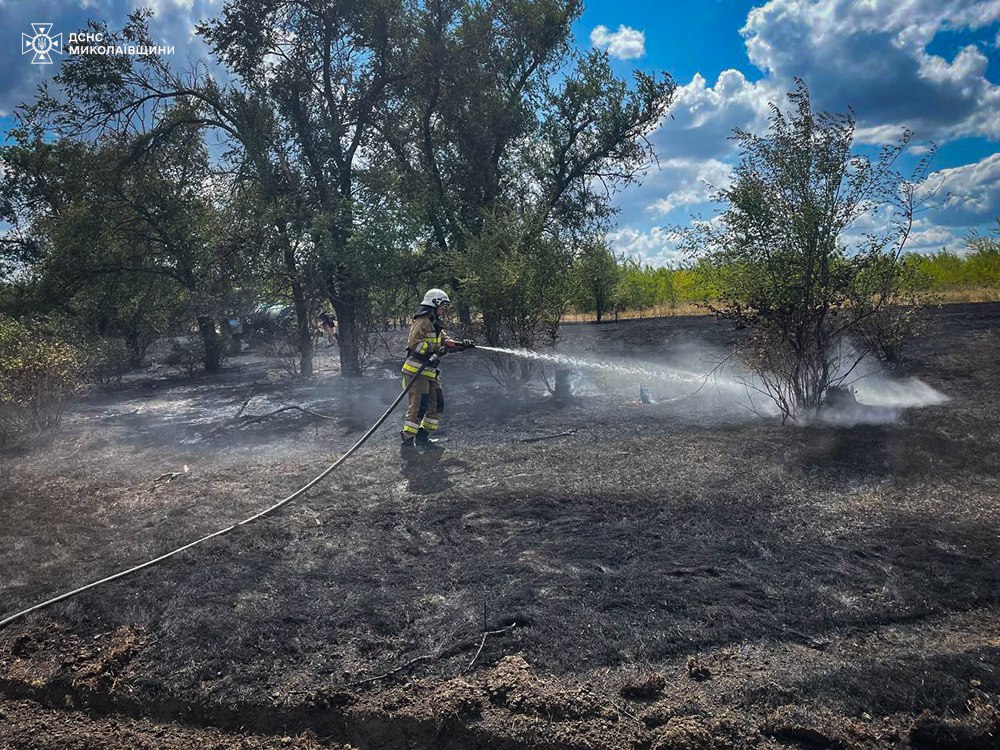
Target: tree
(461, 109)
(497, 120)
(297, 123)
(121, 240)
(327, 67)
(486, 114)
(39, 376)
(595, 274)
(636, 288)
(983, 258)
(784, 261)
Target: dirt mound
(687, 733)
(979, 730)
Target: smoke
(880, 400)
(908, 393)
(708, 385)
(695, 382)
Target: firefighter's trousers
(426, 403)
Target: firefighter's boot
(425, 441)
(408, 446)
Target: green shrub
(186, 356)
(39, 376)
(283, 351)
(108, 359)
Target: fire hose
(312, 483)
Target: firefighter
(426, 344)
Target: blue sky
(930, 65)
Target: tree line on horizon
(606, 284)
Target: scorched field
(597, 573)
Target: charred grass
(850, 571)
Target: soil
(688, 573)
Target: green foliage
(353, 132)
(138, 247)
(185, 355)
(642, 287)
(779, 255)
(637, 288)
(39, 376)
(979, 267)
(500, 118)
(594, 278)
(108, 359)
(518, 279)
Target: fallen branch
(482, 643)
(170, 476)
(243, 406)
(239, 412)
(429, 657)
(545, 437)
(391, 672)
(248, 420)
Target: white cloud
(692, 145)
(656, 246)
(873, 57)
(695, 182)
(930, 239)
(625, 44)
(965, 195)
(702, 117)
(158, 6)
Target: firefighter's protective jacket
(426, 338)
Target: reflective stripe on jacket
(426, 338)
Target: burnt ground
(685, 574)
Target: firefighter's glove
(433, 360)
(467, 344)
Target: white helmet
(435, 298)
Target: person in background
(328, 324)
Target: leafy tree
(982, 262)
(292, 145)
(486, 113)
(785, 264)
(595, 275)
(461, 109)
(636, 288)
(121, 245)
(522, 294)
(495, 119)
(979, 266)
(326, 67)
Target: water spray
(669, 374)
